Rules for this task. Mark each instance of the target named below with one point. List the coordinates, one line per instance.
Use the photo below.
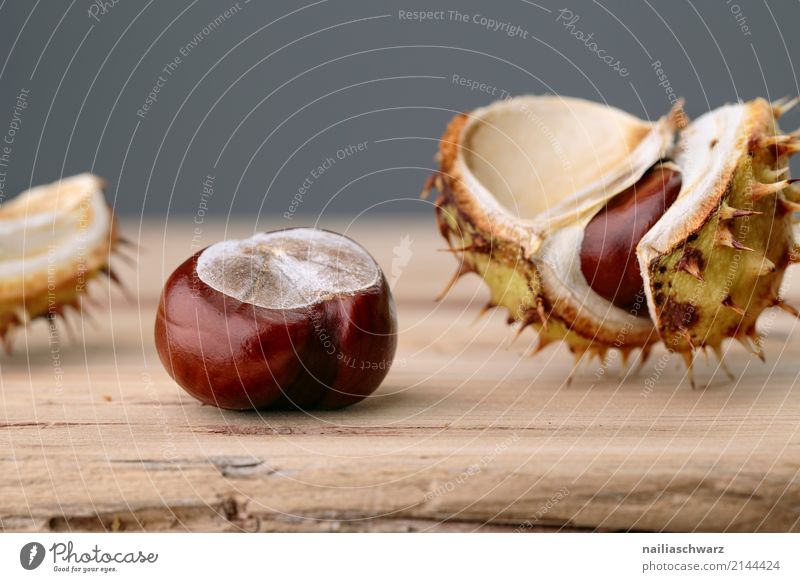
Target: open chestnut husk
(297, 318)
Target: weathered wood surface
(468, 432)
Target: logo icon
(31, 555)
(401, 256)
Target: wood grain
(467, 433)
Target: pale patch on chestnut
(299, 318)
(287, 269)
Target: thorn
(527, 320)
(721, 358)
(478, 244)
(788, 149)
(427, 186)
(728, 302)
(106, 270)
(484, 310)
(541, 344)
(765, 267)
(86, 314)
(775, 175)
(475, 246)
(22, 316)
(444, 230)
(112, 274)
(780, 304)
(126, 242)
(756, 339)
(677, 116)
(691, 263)
(70, 331)
(50, 318)
(761, 190)
(687, 337)
(688, 359)
(787, 206)
(540, 312)
(463, 269)
(578, 353)
(130, 261)
(768, 141)
(793, 192)
(783, 105)
(729, 213)
(644, 355)
(724, 237)
(756, 351)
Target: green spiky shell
(704, 290)
(708, 290)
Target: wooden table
(467, 433)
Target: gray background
(285, 91)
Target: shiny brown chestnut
(297, 318)
(608, 251)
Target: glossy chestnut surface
(329, 352)
(608, 251)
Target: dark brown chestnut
(297, 318)
(608, 251)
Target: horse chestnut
(297, 318)
(608, 252)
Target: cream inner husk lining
(532, 154)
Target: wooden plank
(468, 431)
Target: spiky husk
(711, 286)
(53, 280)
(729, 268)
(513, 279)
